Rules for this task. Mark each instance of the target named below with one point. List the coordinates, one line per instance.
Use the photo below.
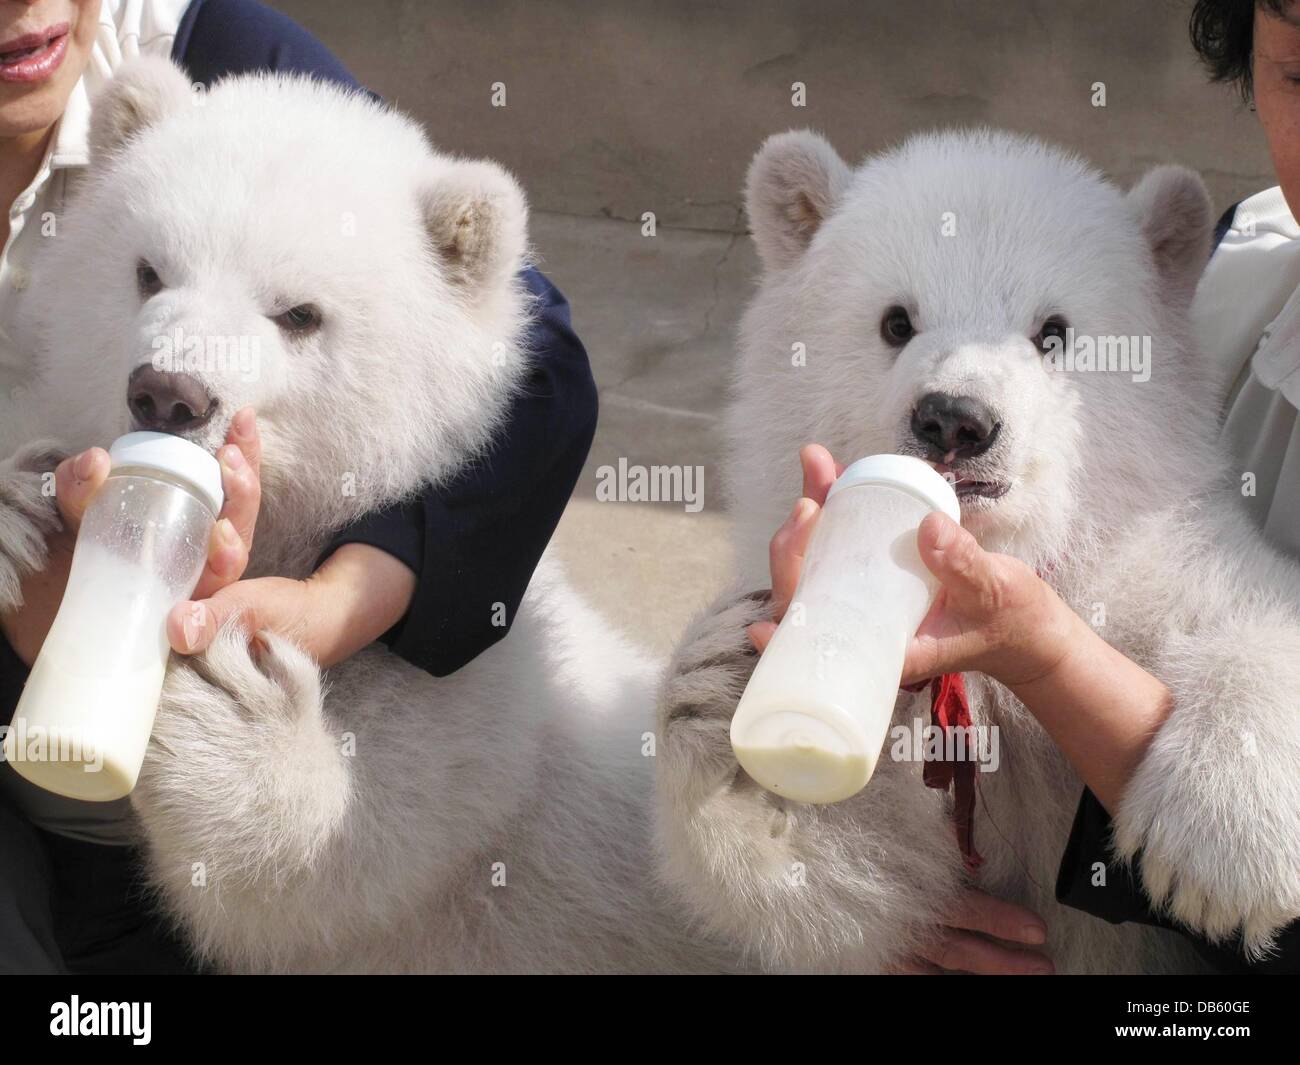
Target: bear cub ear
(794, 183)
(1173, 207)
(477, 219)
(141, 93)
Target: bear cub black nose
(957, 425)
(168, 402)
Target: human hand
(980, 940)
(993, 614)
(357, 595)
(77, 479)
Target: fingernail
(242, 423)
(226, 533)
(84, 466)
(233, 458)
(1033, 933)
(192, 626)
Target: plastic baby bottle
(84, 718)
(812, 721)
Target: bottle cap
(171, 454)
(905, 473)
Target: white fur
(357, 821)
(258, 195)
(1118, 495)
(374, 818)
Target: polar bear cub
(935, 273)
(375, 818)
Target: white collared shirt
(127, 28)
(1247, 318)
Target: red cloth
(949, 708)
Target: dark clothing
(72, 907)
(217, 38)
(475, 542)
(1121, 898)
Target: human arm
(438, 577)
(986, 935)
(994, 615)
(1118, 725)
(79, 477)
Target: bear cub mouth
(968, 487)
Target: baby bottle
(85, 715)
(813, 719)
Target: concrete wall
(618, 108)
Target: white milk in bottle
(84, 718)
(813, 719)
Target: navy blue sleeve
(1091, 881)
(13, 675)
(221, 37)
(480, 537)
(473, 543)
(1224, 224)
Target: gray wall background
(615, 109)
(618, 108)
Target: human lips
(34, 56)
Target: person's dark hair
(1222, 34)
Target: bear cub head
(986, 303)
(282, 243)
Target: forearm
(476, 539)
(1100, 708)
(357, 594)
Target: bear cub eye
(896, 327)
(303, 318)
(147, 279)
(1052, 333)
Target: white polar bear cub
(970, 244)
(495, 820)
